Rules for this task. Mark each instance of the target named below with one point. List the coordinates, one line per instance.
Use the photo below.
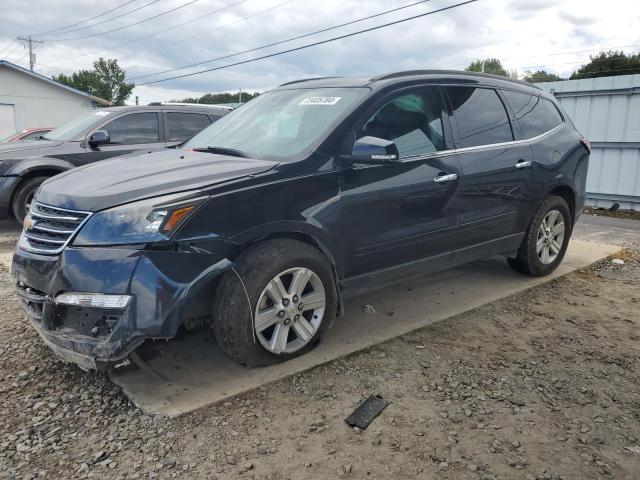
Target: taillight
(586, 144)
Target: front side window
(280, 125)
(134, 128)
(181, 126)
(413, 121)
(534, 114)
(480, 116)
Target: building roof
(37, 76)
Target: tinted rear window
(535, 115)
(181, 126)
(480, 116)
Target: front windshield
(279, 125)
(8, 137)
(73, 128)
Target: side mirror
(99, 137)
(374, 150)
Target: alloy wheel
(290, 310)
(550, 237)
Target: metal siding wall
(607, 110)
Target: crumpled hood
(125, 179)
(29, 147)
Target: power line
(591, 50)
(200, 17)
(570, 52)
(8, 45)
(129, 25)
(285, 41)
(321, 42)
(49, 32)
(13, 49)
(185, 39)
(584, 62)
(104, 21)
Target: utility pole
(32, 56)
(240, 97)
(482, 66)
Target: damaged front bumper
(165, 288)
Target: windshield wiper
(223, 151)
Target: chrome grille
(49, 229)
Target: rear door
(496, 171)
(397, 213)
(129, 133)
(181, 126)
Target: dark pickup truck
(97, 135)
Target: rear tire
(24, 195)
(546, 240)
(242, 333)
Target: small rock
(617, 261)
(368, 309)
(472, 467)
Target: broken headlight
(147, 221)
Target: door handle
(523, 164)
(446, 178)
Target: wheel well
(29, 176)
(569, 197)
(301, 237)
(309, 240)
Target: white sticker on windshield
(101, 114)
(320, 101)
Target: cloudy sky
(556, 35)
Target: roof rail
(187, 104)
(305, 80)
(408, 73)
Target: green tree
(541, 76)
(491, 65)
(607, 64)
(219, 98)
(106, 80)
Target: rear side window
(480, 116)
(134, 128)
(412, 120)
(535, 115)
(182, 126)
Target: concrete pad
(193, 372)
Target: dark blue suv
(264, 222)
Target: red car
(27, 134)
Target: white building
(30, 100)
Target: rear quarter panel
(559, 160)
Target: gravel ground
(541, 385)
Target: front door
(496, 171)
(399, 212)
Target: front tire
(23, 197)
(292, 297)
(546, 240)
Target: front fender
(320, 237)
(29, 165)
